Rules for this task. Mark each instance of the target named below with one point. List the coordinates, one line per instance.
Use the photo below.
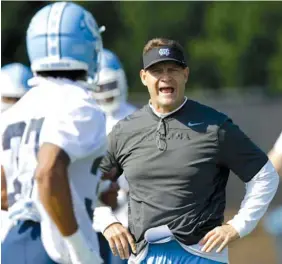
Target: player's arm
(4, 196)
(65, 138)
(275, 155)
(238, 153)
(53, 186)
(117, 235)
(54, 192)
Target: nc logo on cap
(163, 52)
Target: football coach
(176, 155)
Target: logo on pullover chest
(172, 135)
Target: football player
(53, 140)
(14, 77)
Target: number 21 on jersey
(16, 135)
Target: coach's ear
(143, 77)
(186, 74)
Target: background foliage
(229, 45)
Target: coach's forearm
(55, 195)
(259, 193)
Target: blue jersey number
(88, 202)
(16, 131)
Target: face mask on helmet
(108, 96)
(111, 89)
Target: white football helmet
(64, 36)
(14, 82)
(111, 89)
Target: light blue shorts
(172, 253)
(23, 245)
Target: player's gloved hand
(79, 250)
(119, 237)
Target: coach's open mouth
(167, 90)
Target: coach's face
(166, 84)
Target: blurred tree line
(229, 45)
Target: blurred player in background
(14, 84)
(14, 77)
(50, 160)
(111, 91)
(111, 95)
(273, 223)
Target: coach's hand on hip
(119, 237)
(219, 237)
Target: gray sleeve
(238, 153)
(110, 159)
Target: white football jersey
(63, 113)
(121, 212)
(123, 111)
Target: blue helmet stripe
(60, 30)
(66, 40)
(53, 29)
